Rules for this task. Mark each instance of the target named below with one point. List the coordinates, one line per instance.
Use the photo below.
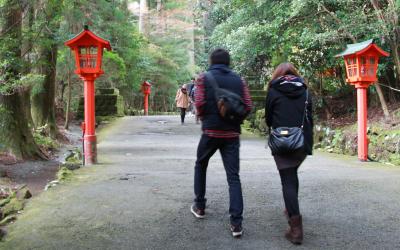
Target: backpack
(230, 105)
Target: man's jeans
(229, 149)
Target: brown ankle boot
(294, 233)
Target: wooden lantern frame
(146, 88)
(361, 60)
(88, 49)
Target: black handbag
(286, 140)
(230, 105)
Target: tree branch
(333, 15)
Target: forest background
(168, 41)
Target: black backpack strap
(213, 82)
(305, 110)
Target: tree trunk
(16, 136)
(142, 16)
(66, 125)
(43, 103)
(382, 100)
(396, 58)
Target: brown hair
(284, 69)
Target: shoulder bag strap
(305, 110)
(213, 83)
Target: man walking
(221, 134)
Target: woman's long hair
(282, 70)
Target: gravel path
(139, 198)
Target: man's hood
(289, 85)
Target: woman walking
(288, 105)
(182, 101)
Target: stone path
(139, 198)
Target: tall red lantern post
(361, 61)
(88, 49)
(146, 89)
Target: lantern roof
(148, 83)
(359, 48)
(85, 37)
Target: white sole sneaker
(236, 234)
(196, 214)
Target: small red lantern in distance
(88, 49)
(361, 61)
(146, 88)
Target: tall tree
(43, 99)
(16, 136)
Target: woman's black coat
(285, 107)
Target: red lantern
(361, 61)
(88, 49)
(146, 89)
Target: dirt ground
(36, 174)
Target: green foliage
(115, 67)
(261, 34)
(45, 142)
(64, 174)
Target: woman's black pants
(183, 113)
(290, 189)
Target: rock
(2, 234)
(13, 207)
(51, 184)
(68, 155)
(4, 194)
(5, 201)
(7, 220)
(73, 156)
(64, 174)
(23, 193)
(3, 173)
(71, 165)
(55, 182)
(48, 186)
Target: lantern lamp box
(361, 61)
(146, 87)
(88, 49)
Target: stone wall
(384, 142)
(108, 103)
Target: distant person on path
(190, 87)
(219, 134)
(288, 104)
(182, 101)
(192, 101)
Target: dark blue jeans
(229, 149)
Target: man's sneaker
(198, 213)
(237, 231)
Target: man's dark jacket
(285, 107)
(226, 79)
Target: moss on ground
(64, 174)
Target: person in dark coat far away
(285, 107)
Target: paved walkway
(139, 198)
